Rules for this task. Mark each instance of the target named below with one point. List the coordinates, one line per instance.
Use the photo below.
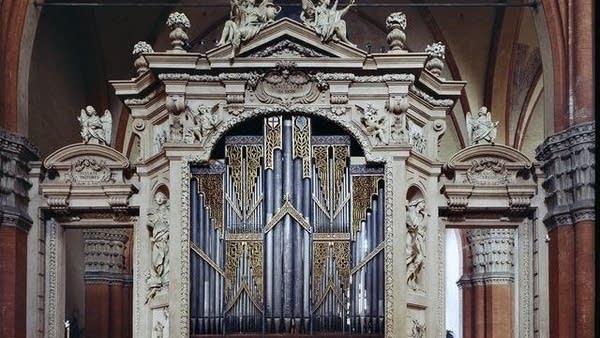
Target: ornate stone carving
(88, 171)
(487, 171)
(247, 18)
(287, 86)
(396, 26)
(15, 153)
(326, 21)
(569, 164)
(375, 124)
(286, 48)
(492, 255)
(158, 224)
(435, 61)
(416, 329)
(480, 128)
(140, 63)
(95, 129)
(104, 251)
(199, 123)
(416, 139)
(415, 242)
(399, 129)
(178, 23)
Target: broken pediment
(290, 39)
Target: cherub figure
(325, 20)
(481, 129)
(375, 124)
(95, 129)
(247, 18)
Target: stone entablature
(569, 164)
(87, 176)
(493, 178)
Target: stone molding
(569, 164)
(108, 278)
(15, 154)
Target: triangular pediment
(288, 38)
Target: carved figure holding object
(415, 241)
(95, 129)
(480, 128)
(326, 20)
(158, 224)
(247, 18)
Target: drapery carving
(158, 224)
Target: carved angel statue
(95, 129)
(158, 224)
(480, 128)
(415, 257)
(374, 123)
(247, 18)
(326, 20)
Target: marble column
(107, 284)
(15, 154)
(488, 291)
(569, 164)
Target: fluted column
(569, 164)
(15, 153)
(488, 290)
(107, 284)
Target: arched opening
(287, 233)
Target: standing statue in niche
(415, 241)
(158, 224)
(480, 128)
(325, 20)
(247, 18)
(95, 129)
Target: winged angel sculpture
(326, 20)
(247, 18)
(480, 128)
(95, 129)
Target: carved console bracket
(569, 164)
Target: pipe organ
(287, 236)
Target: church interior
(290, 168)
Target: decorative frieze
(569, 164)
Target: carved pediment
(288, 38)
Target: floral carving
(435, 61)
(140, 63)
(178, 23)
(396, 26)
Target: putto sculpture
(375, 123)
(480, 128)
(95, 129)
(247, 18)
(326, 20)
(415, 241)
